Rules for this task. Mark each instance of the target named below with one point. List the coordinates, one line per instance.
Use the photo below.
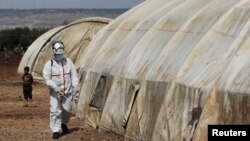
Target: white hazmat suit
(61, 77)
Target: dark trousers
(27, 92)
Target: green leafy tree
(19, 37)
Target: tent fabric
(166, 69)
(76, 37)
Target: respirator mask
(58, 50)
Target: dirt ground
(32, 123)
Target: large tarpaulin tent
(166, 69)
(76, 37)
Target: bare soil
(32, 123)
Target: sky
(83, 4)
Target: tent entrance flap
(97, 99)
(134, 89)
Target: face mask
(58, 57)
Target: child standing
(27, 87)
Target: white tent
(76, 37)
(166, 69)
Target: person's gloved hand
(75, 90)
(76, 96)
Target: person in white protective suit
(60, 75)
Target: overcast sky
(38, 4)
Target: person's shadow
(71, 130)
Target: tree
(19, 37)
